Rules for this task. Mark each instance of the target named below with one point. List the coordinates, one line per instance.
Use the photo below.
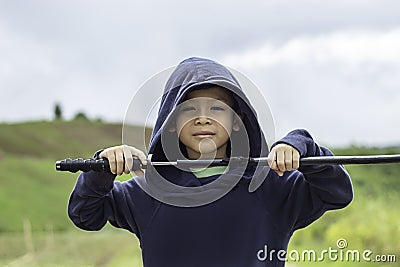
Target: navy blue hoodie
(235, 230)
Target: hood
(188, 75)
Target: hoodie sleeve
(97, 199)
(314, 189)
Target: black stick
(103, 164)
(341, 160)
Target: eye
(187, 108)
(217, 108)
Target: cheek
(182, 127)
(226, 123)
(180, 122)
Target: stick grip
(85, 165)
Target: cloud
(348, 47)
(92, 56)
(343, 85)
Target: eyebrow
(221, 99)
(229, 102)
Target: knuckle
(281, 165)
(272, 166)
(110, 150)
(282, 146)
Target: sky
(331, 67)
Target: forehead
(214, 92)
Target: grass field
(35, 229)
(108, 247)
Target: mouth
(204, 134)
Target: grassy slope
(31, 188)
(55, 140)
(29, 185)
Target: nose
(202, 120)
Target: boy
(207, 114)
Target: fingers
(283, 158)
(296, 159)
(130, 153)
(109, 153)
(128, 159)
(288, 160)
(272, 162)
(120, 162)
(121, 159)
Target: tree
(57, 112)
(81, 116)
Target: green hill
(58, 139)
(29, 185)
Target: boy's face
(205, 121)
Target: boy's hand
(121, 159)
(283, 158)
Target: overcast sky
(332, 67)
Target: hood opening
(195, 74)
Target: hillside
(29, 185)
(58, 139)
